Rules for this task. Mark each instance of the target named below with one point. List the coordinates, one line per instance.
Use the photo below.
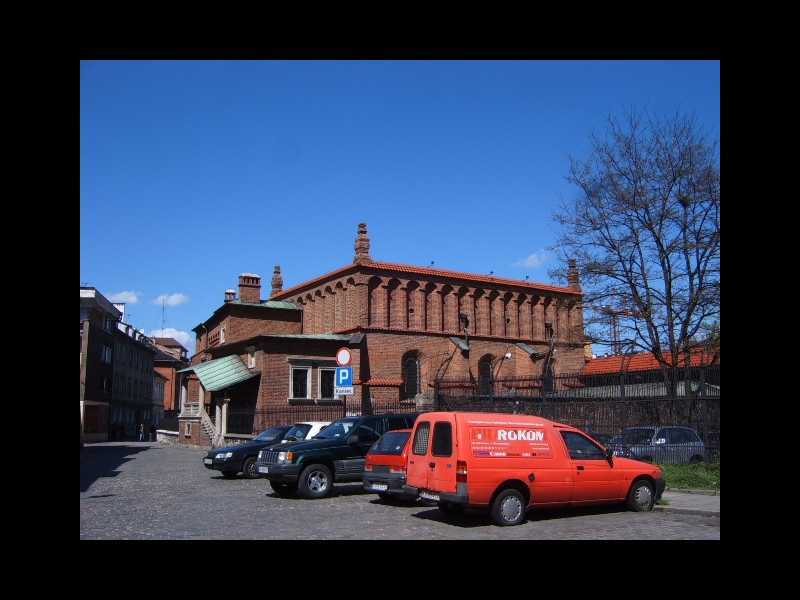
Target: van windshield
(337, 429)
(638, 435)
(390, 443)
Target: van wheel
(508, 508)
(641, 497)
(249, 468)
(450, 508)
(315, 482)
(282, 489)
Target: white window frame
(221, 335)
(319, 382)
(308, 381)
(251, 359)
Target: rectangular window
(222, 336)
(188, 430)
(442, 439)
(421, 438)
(326, 377)
(106, 357)
(251, 360)
(300, 383)
(548, 330)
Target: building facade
(170, 357)
(405, 326)
(98, 324)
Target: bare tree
(645, 232)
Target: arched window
(485, 375)
(411, 376)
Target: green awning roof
(221, 373)
(462, 344)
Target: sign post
(343, 378)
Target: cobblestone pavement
(133, 490)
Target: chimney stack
(230, 295)
(573, 279)
(362, 245)
(250, 288)
(277, 281)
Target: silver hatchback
(663, 445)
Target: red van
(385, 466)
(511, 462)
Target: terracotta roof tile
(643, 361)
(417, 270)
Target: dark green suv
(335, 455)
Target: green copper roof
(221, 373)
(281, 304)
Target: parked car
(241, 458)
(385, 466)
(664, 445)
(335, 455)
(508, 463)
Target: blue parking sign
(343, 382)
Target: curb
(688, 511)
(701, 492)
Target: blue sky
(195, 171)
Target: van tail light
(461, 471)
(397, 470)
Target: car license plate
(380, 487)
(429, 496)
(207, 461)
(263, 469)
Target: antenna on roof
(163, 313)
(431, 263)
(526, 277)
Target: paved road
(133, 490)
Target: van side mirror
(609, 454)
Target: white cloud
(171, 299)
(126, 297)
(533, 261)
(184, 337)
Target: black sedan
(241, 458)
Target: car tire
(641, 496)
(229, 474)
(508, 508)
(316, 481)
(249, 468)
(282, 489)
(449, 508)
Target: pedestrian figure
(141, 432)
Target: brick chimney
(250, 288)
(277, 281)
(573, 279)
(230, 295)
(362, 245)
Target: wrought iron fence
(608, 407)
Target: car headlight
(285, 457)
(224, 455)
(260, 452)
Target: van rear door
(442, 455)
(418, 469)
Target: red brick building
(170, 357)
(405, 326)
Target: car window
(298, 432)
(397, 423)
(442, 439)
(366, 435)
(421, 438)
(679, 436)
(581, 448)
(337, 429)
(391, 443)
(638, 435)
(270, 434)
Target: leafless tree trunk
(645, 232)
